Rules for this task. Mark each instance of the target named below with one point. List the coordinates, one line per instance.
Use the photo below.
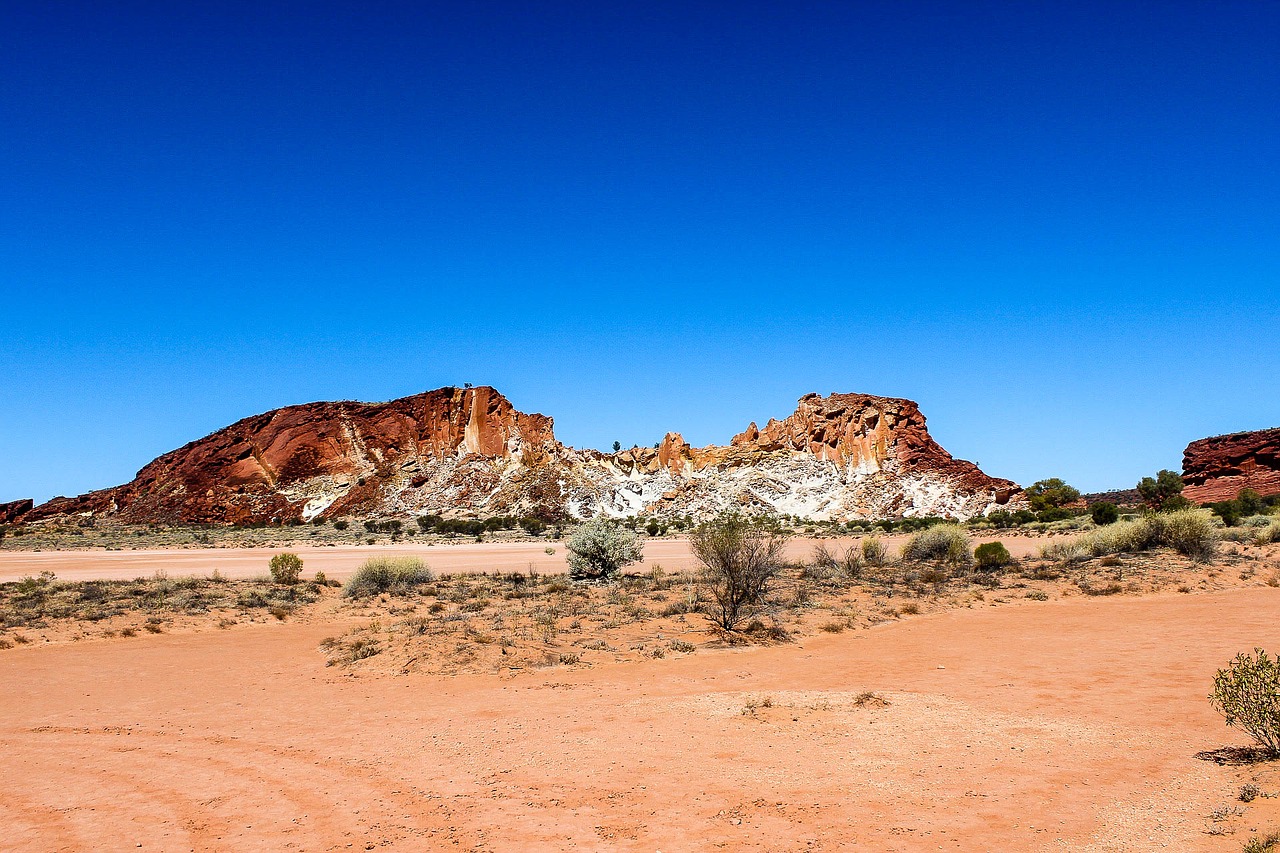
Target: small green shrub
(396, 575)
(599, 549)
(946, 542)
(286, 568)
(992, 555)
(1104, 513)
(1247, 694)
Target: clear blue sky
(1055, 226)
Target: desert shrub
(396, 575)
(827, 563)
(286, 568)
(739, 559)
(1104, 513)
(1270, 533)
(1190, 532)
(599, 549)
(1251, 503)
(992, 555)
(873, 551)
(947, 542)
(1065, 550)
(1187, 531)
(1269, 843)
(340, 524)
(1228, 511)
(1247, 694)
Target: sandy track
(1064, 725)
(340, 561)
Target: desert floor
(1068, 724)
(341, 560)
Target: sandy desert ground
(1067, 724)
(340, 561)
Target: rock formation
(1216, 469)
(467, 451)
(15, 510)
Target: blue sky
(1055, 226)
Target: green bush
(1247, 694)
(992, 555)
(1104, 513)
(946, 542)
(1189, 531)
(396, 575)
(286, 568)
(599, 549)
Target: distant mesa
(1217, 468)
(468, 451)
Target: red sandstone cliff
(14, 510)
(469, 451)
(243, 473)
(1216, 469)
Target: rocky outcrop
(15, 510)
(1216, 469)
(468, 451)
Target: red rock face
(865, 431)
(15, 510)
(469, 451)
(238, 473)
(1216, 469)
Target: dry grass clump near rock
(395, 575)
(1188, 531)
(948, 543)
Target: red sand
(1066, 725)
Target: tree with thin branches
(739, 559)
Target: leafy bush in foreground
(739, 559)
(286, 568)
(947, 542)
(1247, 694)
(599, 549)
(992, 555)
(396, 575)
